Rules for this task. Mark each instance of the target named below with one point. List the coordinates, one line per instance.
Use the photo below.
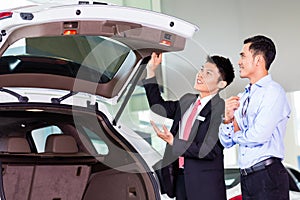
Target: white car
(233, 187)
(69, 97)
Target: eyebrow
(209, 70)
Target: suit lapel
(210, 105)
(186, 103)
(204, 114)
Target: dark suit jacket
(203, 152)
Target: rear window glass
(100, 146)
(92, 58)
(40, 135)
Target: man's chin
(199, 89)
(196, 87)
(242, 76)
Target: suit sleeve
(156, 102)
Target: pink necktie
(188, 127)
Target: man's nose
(239, 61)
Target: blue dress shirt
(262, 128)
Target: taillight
(70, 32)
(70, 28)
(239, 197)
(4, 15)
(165, 42)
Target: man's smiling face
(207, 79)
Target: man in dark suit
(193, 166)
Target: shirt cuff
(227, 129)
(149, 80)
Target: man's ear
(258, 59)
(222, 84)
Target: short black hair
(225, 67)
(262, 45)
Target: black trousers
(271, 183)
(180, 187)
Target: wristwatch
(224, 120)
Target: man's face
(246, 62)
(207, 79)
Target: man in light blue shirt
(256, 120)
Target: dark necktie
(246, 102)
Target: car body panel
(129, 26)
(52, 13)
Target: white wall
(291, 141)
(225, 24)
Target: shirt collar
(206, 99)
(264, 81)
(261, 83)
